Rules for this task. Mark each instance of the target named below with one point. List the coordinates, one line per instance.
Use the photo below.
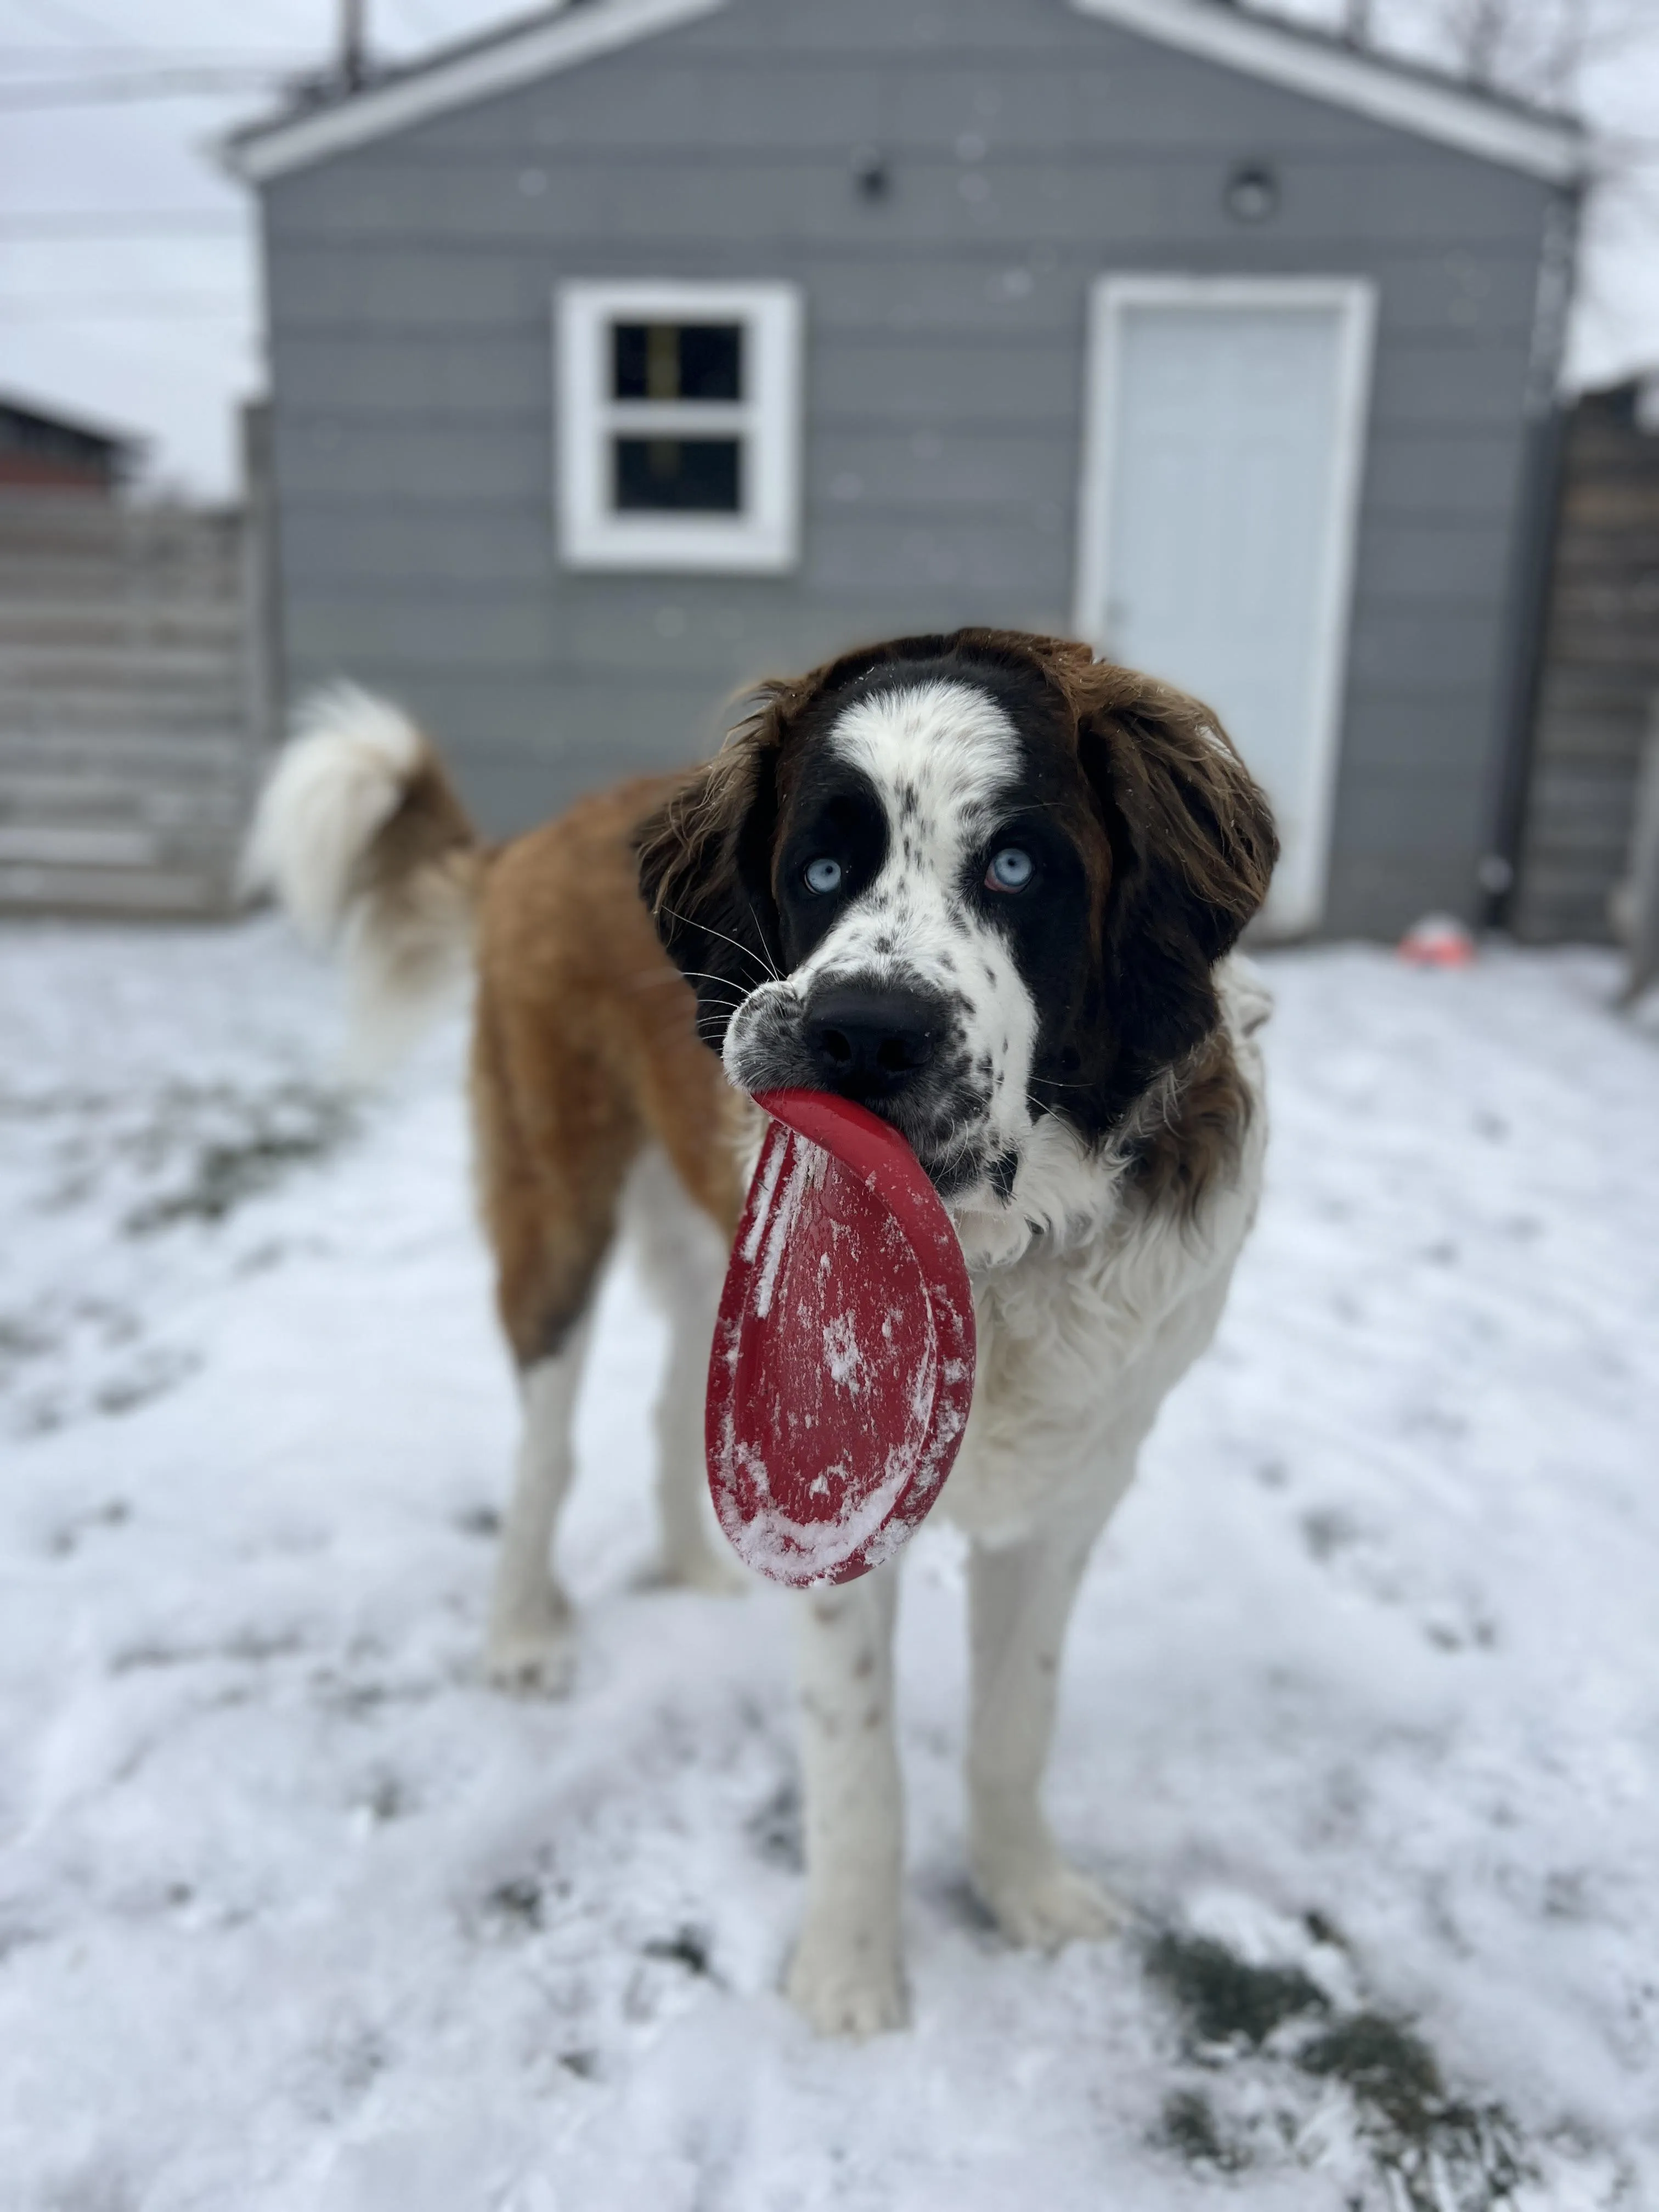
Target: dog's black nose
(870, 1044)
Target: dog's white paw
(1045, 1904)
(847, 1985)
(531, 1649)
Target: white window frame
(1295, 905)
(765, 538)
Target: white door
(1221, 478)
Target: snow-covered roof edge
(559, 38)
(1300, 59)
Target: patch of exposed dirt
(1278, 2048)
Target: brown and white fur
(831, 900)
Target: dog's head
(971, 881)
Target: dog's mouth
(957, 1158)
(962, 1158)
(921, 1083)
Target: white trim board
(573, 34)
(1229, 34)
(1543, 146)
(1296, 903)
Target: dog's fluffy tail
(360, 834)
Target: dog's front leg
(848, 1974)
(1019, 1601)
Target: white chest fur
(1084, 1333)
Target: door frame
(1301, 901)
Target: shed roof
(28, 424)
(1301, 59)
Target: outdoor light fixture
(872, 178)
(1252, 193)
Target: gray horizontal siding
(1114, 200)
(486, 286)
(1430, 571)
(427, 464)
(411, 292)
(1003, 380)
(668, 636)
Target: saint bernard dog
(988, 886)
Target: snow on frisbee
(842, 1369)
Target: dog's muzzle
(894, 1047)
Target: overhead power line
(121, 307)
(132, 54)
(69, 18)
(99, 223)
(127, 85)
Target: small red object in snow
(843, 1361)
(1438, 941)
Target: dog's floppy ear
(1193, 847)
(705, 869)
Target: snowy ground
(1362, 1714)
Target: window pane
(711, 360)
(677, 361)
(677, 475)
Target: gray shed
(650, 345)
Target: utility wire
(39, 57)
(68, 18)
(120, 307)
(166, 83)
(93, 224)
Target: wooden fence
(132, 723)
(1600, 672)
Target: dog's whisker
(702, 975)
(761, 933)
(758, 960)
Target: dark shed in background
(41, 450)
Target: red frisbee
(843, 1361)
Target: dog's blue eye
(1011, 870)
(822, 875)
